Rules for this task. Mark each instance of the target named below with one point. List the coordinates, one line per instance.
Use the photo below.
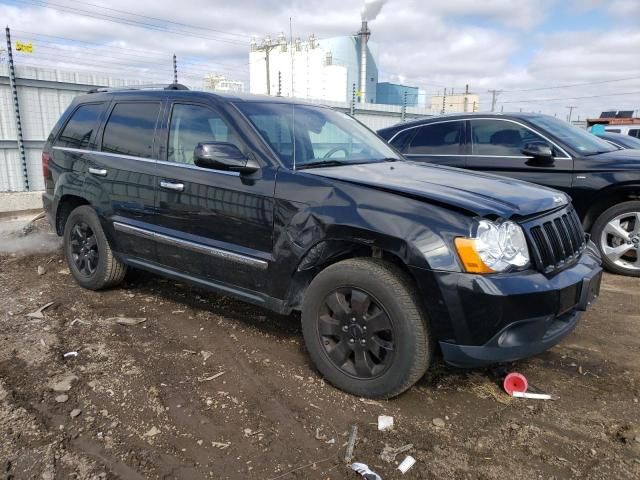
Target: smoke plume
(371, 9)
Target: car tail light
(45, 164)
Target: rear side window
(130, 129)
(635, 132)
(438, 138)
(78, 131)
(400, 140)
(501, 138)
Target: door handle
(101, 172)
(177, 187)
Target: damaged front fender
(318, 221)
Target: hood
(626, 159)
(479, 193)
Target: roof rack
(171, 86)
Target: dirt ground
(209, 387)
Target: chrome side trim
(409, 155)
(195, 247)
(147, 160)
(140, 232)
(566, 157)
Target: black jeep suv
(602, 179)
(298, 207)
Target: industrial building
(395, 94)
(333, 69)
(455, 103)
(220, 83)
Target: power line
(543, 100)
(573, 85)
(245, 37)
(124, 21)
(141, 53)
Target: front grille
(556, 240)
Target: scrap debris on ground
(210, 387)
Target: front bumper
(505, 317)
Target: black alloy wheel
(356, 332)
(365, 328)
(88, 253)
(84, 249)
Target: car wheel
(616, 232)
(88, 253)
(364, 328)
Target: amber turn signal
(469, 257)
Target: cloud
(625, 9)
(493, 44)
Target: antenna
(291, 52)
(293, 105)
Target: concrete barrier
(12, 203)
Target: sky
(543, 55)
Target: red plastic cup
(515, 382)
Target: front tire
(87, 251)
(616, 232)
(364, 328)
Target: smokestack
(364, 34)
(370, 11)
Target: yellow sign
(24, 47)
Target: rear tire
(616, 232)
(87, 251)
(364, 328)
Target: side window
(130, 129)
(635, 132)
(79, 129)
(438, 138)
(500, 138)
(276, 131)
(192, 124)
(400, 141)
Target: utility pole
(175, 69)
(267, 45)
(444, 100)
(16, 110)
(571, 108)
(494, 98)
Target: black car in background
(619, 140)
(297, 207)
(603, 180)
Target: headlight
(495, 248)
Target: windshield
(305, 136)
(576, 138)
(624, 140)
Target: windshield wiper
(323, 163)
(599, 152)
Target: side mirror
(223, 156)
(540, 151)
